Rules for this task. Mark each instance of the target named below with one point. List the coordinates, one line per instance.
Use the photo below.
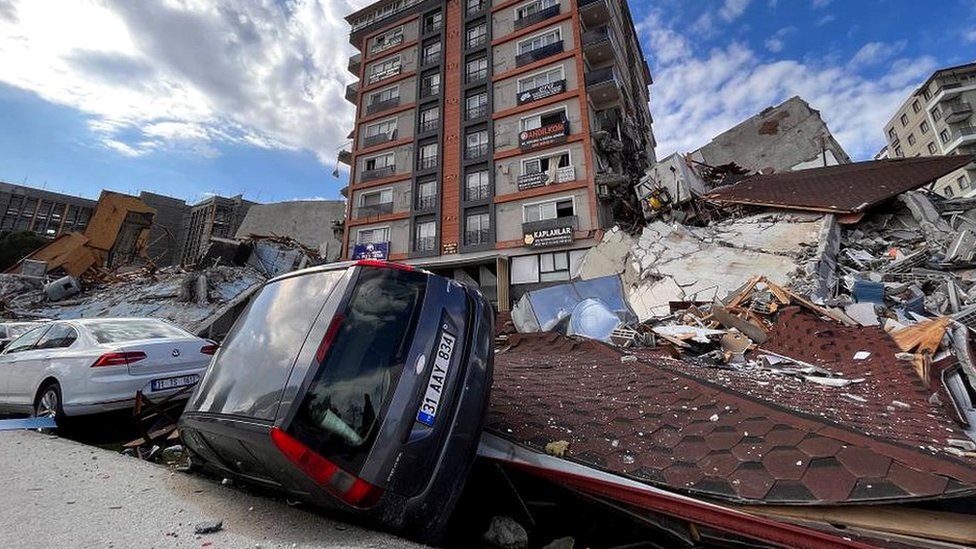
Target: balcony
(391, 42)
(594, 12)
(539, 53)
(425, 244)
(539, 179)
(476, 76)
(477, 151)
(479, 192)
(427, 202)
(476, 238)
(964, 134)
(377, 173)
(603, 85)
(373, 140)
(948, 90)
(378, 76)
(430, 59)
(427, 163)
(352, 92)
(476, 41)
(428, 125)
(345, 156)
(956, 111)
(381, 106)
(355, 63)
(536, 17)
(374, 209)
(480, 111)
(598, 45)
(474, 7)
(429, 90)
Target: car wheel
(48, 403)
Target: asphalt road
(58, 494)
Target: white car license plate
(435, 385)
(173, 382)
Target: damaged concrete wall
(310, 222)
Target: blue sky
(193, 97)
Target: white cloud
(188, 75)
(820, 4)
(969, 35)
(732, 9)
(873, 53)
(701, 95)
(777, 41)
(824, 20)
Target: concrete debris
(208, 527)
(506, 533)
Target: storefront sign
(539, 179)
(542, 92)
(373, 250)
(546, 135)
(544, 238)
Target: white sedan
(86, 366)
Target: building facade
(938, 119)
(216, 216)
(45, 213)
(488, 131)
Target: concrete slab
(59, 493)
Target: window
(474, 6)
(427, 157)
(936, 114)
(962, 182)
(924, 127)
(476, 69)
(534, 7)
(544, 164)
(26, 341)
(476, 229)
(476, 185)
(541, 79)
(388, 94)
(429, 119)
(904, 120)
(385, 129)
(426, 236)
(432, 53)
(948, 192)
(387, 40)
(892, 134)
(60, 336)
(915, 106)
(926, 94)
(554, 266)
(540, 41)
(548, 210)
(120, 331)
(373, 236)
(477, 144)
(430, 84)
(376, 202)
(379, 162)
(898, 152)
(476, 105)
(384, 69)
(476, 35)
(432, 22)
(426, 194)
(911, 139)
(541, 120)
(932, 148)
(944, 135)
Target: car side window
(26, 341)
(58, 337)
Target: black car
(360, 386)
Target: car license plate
(438, 374)
(173, 382)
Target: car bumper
(109, 393)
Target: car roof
(113, 319)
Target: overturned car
(359, 386)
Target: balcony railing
(355, 62)
(374, 209)
(391, 43)
(583, 3)
(428, 202)
(427, 163)
(962, 132)
(474, 6)
(429, 125)
(425, 244)
(539, 53)
(430, 90)
(430, 59)
(534, 18)
(373, 140)
(478, 192)
(352, 92)
(475, 76)
(477, 41)
(383, 105)
(480, 236)
(384, 74)
(480, 111)
(956, 111)
(377, 173)
(478, 151)
(596, 36)
(601, 76)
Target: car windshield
(343, 405)
(120, 331)
(16, 330)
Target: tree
(15, 245)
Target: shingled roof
(846, 188)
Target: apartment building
(45, 213)
(938, 119)
(217, 216)
(491, 135)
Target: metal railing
(429, 125)
(428, 202)
(597, 36)
(480, 236)
(477, 41)
(534, 18)
(478, 151)
(427, 162)
(372, 140)
(425, 244)
(539, 53)
(377, 173)
(477, 75)
(374, 209)
(430, 90)
(961, 132)
(480, 111)
(430, 59)
(600, 76)
(391, 43)
(383, 105)
(472, 8)
(478, 192)
(956, 108)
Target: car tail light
(330, 335)
(209, 349)
(119, 359)
(349, 488)
(381, 263)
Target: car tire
(49, 403)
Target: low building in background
(164, 238)
(48, 214)
(216, 216)
(316, 224)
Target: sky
(191, 98)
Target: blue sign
(373, 250)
